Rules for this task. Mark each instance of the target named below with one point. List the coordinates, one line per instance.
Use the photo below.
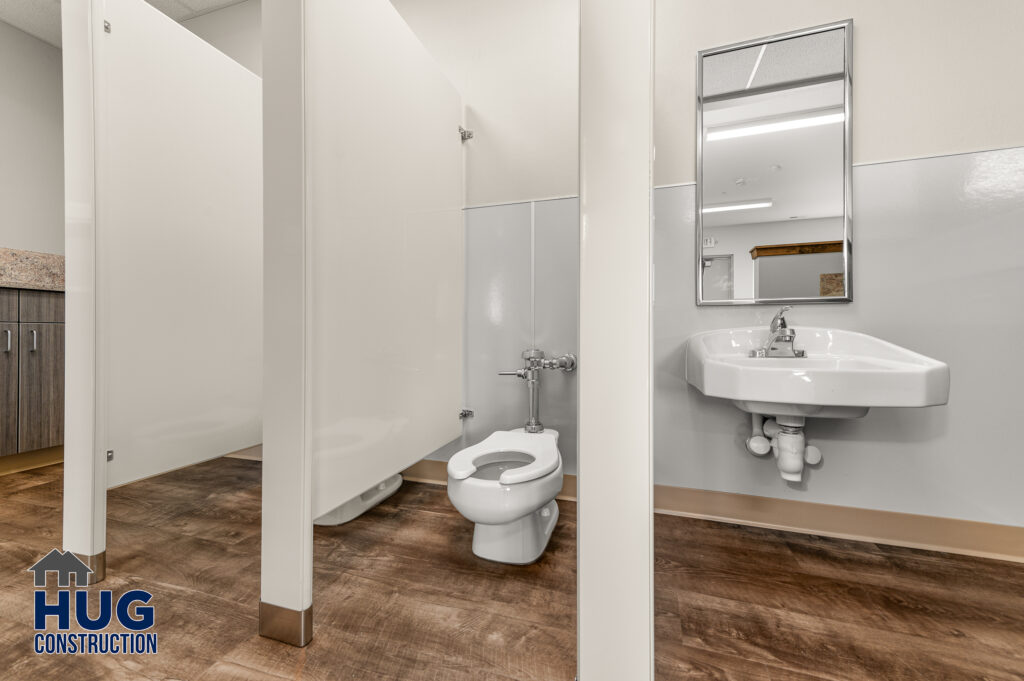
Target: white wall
(937, 262)
(516, 65)
(929, 76)
(31, 143)
(235, 31)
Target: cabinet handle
(35, 339)
(8, 332)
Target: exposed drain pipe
(787, 443)
(757, 443)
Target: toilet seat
(542, 447)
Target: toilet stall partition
(364, 270)
(163, 146)
(385, 248)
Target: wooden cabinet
(8, 305)
(31, 370)
(41, 387)
(8, 387)
(41, 306)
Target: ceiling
(41, 18)
(775, 63)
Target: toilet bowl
(507, 485)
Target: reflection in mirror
(773, 169)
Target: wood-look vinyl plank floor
(399, 595)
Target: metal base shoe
(294, 627)
(98, 565)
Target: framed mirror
(773, 169)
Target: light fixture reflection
(741, 205)
(776, 126)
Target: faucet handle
(519, 373)
(779, 320)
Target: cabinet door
(8, 388)
(41, 398)
(41, 306)
(8, 305)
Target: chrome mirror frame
(847, 296)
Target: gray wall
(522, 291)
(938, 264)
(31, 143)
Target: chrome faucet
(780, 338)
(535, 361)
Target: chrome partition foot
(294, 627)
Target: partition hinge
(106, 26)
(466, 414)
(110, 455)
(465, 134)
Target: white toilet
(507, 485)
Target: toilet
(507, 485)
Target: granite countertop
(28, 269)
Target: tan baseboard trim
(427, 470)
(254, 453)
(985, 540)
(294, 627)
(16, 463)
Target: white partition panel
(177, 245)
(364, 273)
(385, 248)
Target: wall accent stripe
(950, 535)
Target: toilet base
(519, 542)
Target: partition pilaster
(85, 465)
(615, 489)
(286, 573)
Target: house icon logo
(64, 564)
(131, 615)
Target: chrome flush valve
(535, 362)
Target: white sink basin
(843, 375)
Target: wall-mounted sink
(842, 375)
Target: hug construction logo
(94, 640)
